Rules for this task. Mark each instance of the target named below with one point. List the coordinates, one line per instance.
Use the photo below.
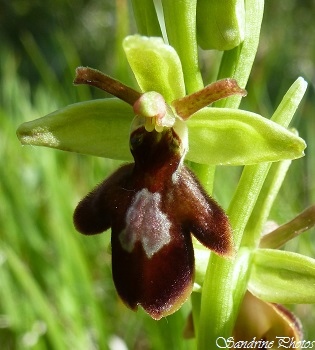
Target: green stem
(265, 200)
(217, 306)
(196, 304)
(205, 174)
(146, 18)
(283, 116)
(180, 22)
(121, 68)
(237, 63)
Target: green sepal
(98, 127)
(220, 24)
(234, 137)
(156, 66)
(282, 277)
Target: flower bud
(220, 24)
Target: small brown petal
(282, 234)
(188, 105)
(93, 77)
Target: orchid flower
(154, 204)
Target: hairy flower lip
(153, 207)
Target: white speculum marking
(146, 223)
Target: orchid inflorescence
(155, 204)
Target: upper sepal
(155, 65)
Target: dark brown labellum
(153, 206)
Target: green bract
(216, 135)
(282, 277)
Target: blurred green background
(56, 290)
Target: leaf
(155, 65)
(282, 277)
(234, 137)
(98, 127)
